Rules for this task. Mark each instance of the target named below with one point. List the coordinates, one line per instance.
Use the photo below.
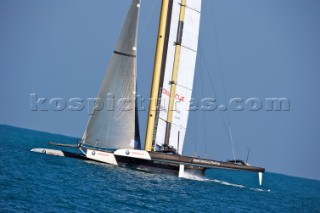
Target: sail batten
(124, 54)
(115, 124)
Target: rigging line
(222, 76)
(219, 56)
(222, 80)
(188, 18)
(215, 94)
(231, 138)
(151, 12)
(204, 117)
(195, 134)
(219, 60)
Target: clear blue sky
(260, 49)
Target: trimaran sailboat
(112, 132)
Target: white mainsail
(113, 123)
(190, 35)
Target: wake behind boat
(112, 133)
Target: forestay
(113, 123)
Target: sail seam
(192, 9)
(184, 87)
(177, 125)
(188, 48)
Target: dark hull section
(205, 163)
(157, 166)
(74, 155)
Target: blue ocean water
(32, 182)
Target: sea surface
(33, 182)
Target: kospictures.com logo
(112, 103)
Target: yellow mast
(174, 76)
(156, 76)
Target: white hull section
(133, 153)
(105, 157)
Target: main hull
(141, 161)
